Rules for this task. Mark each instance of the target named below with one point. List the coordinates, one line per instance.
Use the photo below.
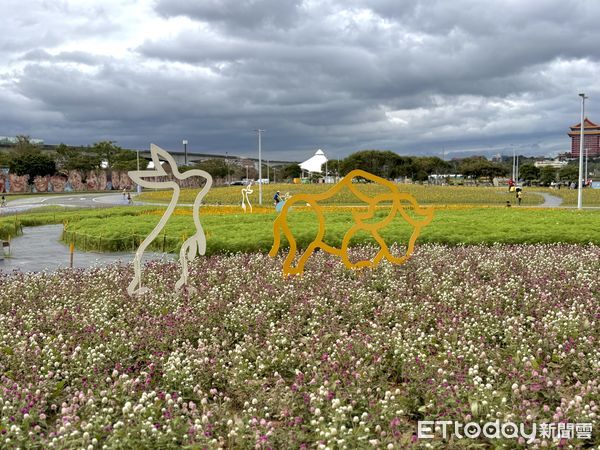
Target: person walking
(129, 201)
(276, 198)
(519, 196)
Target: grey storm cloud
(410, 76)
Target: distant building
(555, 163)
(9, 140)
(591, 138)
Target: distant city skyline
(418, 78)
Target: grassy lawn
(439, 195)
(254, 232)
(590, 197)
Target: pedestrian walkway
(550, 201)
(39, 249)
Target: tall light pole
(586, 161)
(138, 187)
(185, 152)
(513, 165)
(227, 165)
(259, 131)
(581, 137)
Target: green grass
(11, 225)
(254, 232)
(590, 197)
(425, 194)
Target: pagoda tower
(591, 138)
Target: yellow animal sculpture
(394, 196)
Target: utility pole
(259, 131)
(185, 152)
(581, 137)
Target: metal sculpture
(245, 192)
(194, 245)
(312, 200)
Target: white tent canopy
(314, 163)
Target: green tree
(381, 163)
(32, 164)
(529, 172)
(124, 160)
(548, 175)
(71, 158)
(24, 145)
(217, 167)
(107, 151)
(291, 171)
(569, 172)
(478, 166)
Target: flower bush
(335, 359)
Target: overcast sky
(412, 76)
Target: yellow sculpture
(196, 244)
(394, 195)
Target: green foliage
(529, 172)
(71, 158)
(230, 233)
(291, 171)
(106, 151)
(569, 173)
(32, 163)
(125, 160)
(217, 167)
(384, 164)
(478, 166)
(548, 175)
(24, 145)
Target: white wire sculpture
(245, 192)
(193, 246)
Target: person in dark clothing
(276, 198)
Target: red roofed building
(591, 138)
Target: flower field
(335, 359)
(425, 194)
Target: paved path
(550, 201)
(74, 200)
(39, 249)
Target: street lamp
(227, 165)
(185, 152)
(586, 164)
(259, 131)
(581, 137)
(138, 187)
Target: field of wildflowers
(425, 194)
(334, 359)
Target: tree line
(28, 159)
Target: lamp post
(581, 137)
(185, 152)
(259, 131)
(138, 188)
(227, 165)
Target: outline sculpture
(193, 246)
(395, 196)
(247, 190)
